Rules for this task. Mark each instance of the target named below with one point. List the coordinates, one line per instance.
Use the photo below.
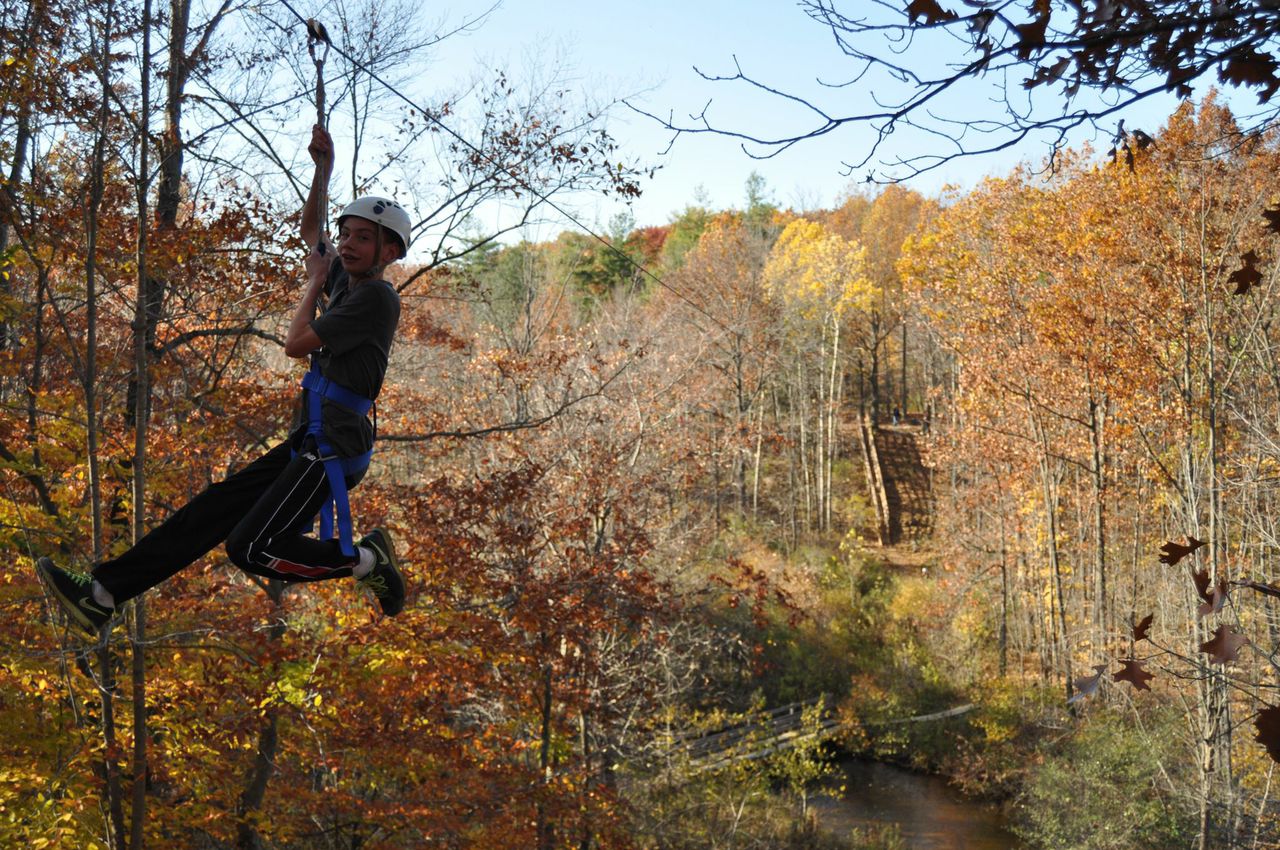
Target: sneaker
(384, 579)
(73, 591)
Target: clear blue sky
(647, 51)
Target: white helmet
(381, 211)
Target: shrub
(1105, 787)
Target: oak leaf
(1087, 686)
(930, 11)
(1171, 553)
(1048, 74)
(1252, 69)
(1133, 673)
(1031, 36)
(1144, 626)
(1268, 726)
(1247, 276)
(1224, 646)
(1214, 597)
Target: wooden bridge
(898, 478)
(775, 731)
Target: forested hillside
(639, 479)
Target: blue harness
(320, 388)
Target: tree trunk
(114, 792)
(1004, 594)
(172, 149)
(820, 437)
(875, 367)
(1217, 702)
(22, 138)
(755, 475)
(740, 449)
(875, 479)
(801, 398)
(545, 829)
(139, 635)
(904, 368)
(255, 791)
(1049, 493)
(585, 842)
(832, 420)
(1097, 423)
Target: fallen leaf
(1140, 630)
(1224, 646)
(1268, 726)
(1171, 553)
(1133, 673)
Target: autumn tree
(718, 294)
(881, 223)
(819, 278)
(1099, 343)
(139, 319)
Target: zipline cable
(373, 75)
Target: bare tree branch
(1104, 58)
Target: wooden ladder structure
(898, 479)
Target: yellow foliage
(818, 272)
(1000, 714)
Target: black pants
(263, 512)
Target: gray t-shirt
(357, 329)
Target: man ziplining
(264, 511)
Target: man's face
(358, 246)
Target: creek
(929, 814)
